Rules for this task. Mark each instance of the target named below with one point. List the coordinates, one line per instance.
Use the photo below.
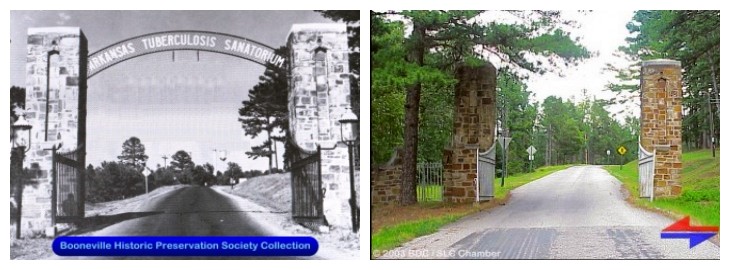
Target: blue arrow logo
(694, 238)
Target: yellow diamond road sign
(621, 150)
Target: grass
(390, 237)
(30, 249)
(700, 197)
(429, 192)
(393, 226)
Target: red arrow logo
(683, 226)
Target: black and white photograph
(184, 123)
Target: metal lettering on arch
(182, 40)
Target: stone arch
(310, 113)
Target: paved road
(577, 213)
(187, 211)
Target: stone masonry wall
(317, 101)
(66, 114)
(385, 182)
(474, 124)
(319, 95)
(661, 122)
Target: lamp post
(349, 132)
(608, 156)
(21, 144)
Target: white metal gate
(485, 173)
(646, 173)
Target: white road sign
(531, 150)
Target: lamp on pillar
(21, 144)
(21, 134)
(349, 133)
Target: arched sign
(182, 40)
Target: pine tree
(133, 154)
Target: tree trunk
(716, 96)
(410, 134)
(276, 156)
(268, 136)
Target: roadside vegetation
(700, 197)
(393, 226)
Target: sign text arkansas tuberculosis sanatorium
(183, 40)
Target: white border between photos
(364, 6)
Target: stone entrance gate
(59, 65)
(661, 128)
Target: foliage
(233, 171)
(113, 181)
(17, 101)
(693, 38)
(203, 175)
(266, 109)
(406, 67)
(396, 234)
(181, 160)
(520, 119)
(133, 154)
(700, 198)
(162, 177)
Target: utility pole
(585, 136)
(548, 146)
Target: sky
(187, 104)
(599, 31)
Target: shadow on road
(95, 223)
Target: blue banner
(185, 246)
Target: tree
(693, 38)
(113, 181)
(17, 101)
(233, 171)
(203, 175)
(181, 160)
(521, 116)
(162, 177)
(266, 109)
(133, 154)
(441, 40)
(263, 150)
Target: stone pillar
(385, 181)
(474, 129)
(66, 112)
(661, 122)
(319, 95)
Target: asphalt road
(576, 213)
(188, 211)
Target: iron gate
(307, 191)
(485, 173)
(646, 173)
(68, 196)
(430, 182)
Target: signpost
(504, 142)
(531, 151)
(621, 151)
